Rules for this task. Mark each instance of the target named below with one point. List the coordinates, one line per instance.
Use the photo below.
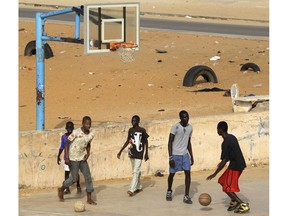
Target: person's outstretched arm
(220, 166)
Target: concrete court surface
(113, 200)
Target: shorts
(66, 167)
(182, 163)
(229, 180)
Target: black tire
(250, 65)
(30, 49)
(200, 70)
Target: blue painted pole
(40, 57)
(77, 25)
(40, 67)
(56, 13)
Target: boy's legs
(84, 167)
(74, 169)
(170, 183)
(237, 204)
(187, 181)
(172, 171)
(186, 166)
(67, 173)
(136, 174)
(229, 182)
(78, 185)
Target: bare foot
(60, 194)
(91, 202)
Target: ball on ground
(205, 199)
(79, 206)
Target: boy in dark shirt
(231, 151)
(69, 128)
(137, 140)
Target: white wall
(38, 149)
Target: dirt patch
(104, 88)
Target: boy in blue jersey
(69, 128)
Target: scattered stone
(63, 117)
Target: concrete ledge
(38, 149)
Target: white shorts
(66, 167)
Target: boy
(69, 128)
(230, 151)
(76, 158)
(138, 143)
(180, 154)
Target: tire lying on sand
(30, 49)
(250, 65)
(197, 71)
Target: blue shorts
(182, 163)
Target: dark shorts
(182, 163)
(229, 180)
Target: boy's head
(69, 127)
(184, 117)
(222, 127)
(135, 120)
(86, 123)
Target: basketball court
(110, 28)
(112, 198)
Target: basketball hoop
(125, 50)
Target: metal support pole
(40, 67)
(77, 25)
(41, 39)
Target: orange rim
(116, 45)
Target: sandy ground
(112, 198)
(110, 91)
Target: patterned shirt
(138, 137)
(79, 141)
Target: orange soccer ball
(205, 199)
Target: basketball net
(125, 50)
